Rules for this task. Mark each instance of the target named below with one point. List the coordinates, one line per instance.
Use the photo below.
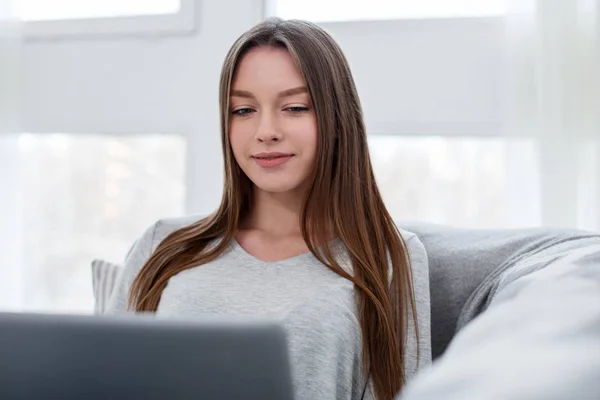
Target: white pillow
(104, 278)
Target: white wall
(433, 76)
(438, 76)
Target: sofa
(515, 314)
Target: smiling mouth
(271, 156)
(271, 160)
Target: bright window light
(87, 196)
(460, 181)
(39, 10)
(354, 10)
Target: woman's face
(273, 129)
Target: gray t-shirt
(315, 305)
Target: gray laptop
(141, 357)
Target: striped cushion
(104, 278)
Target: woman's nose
(267, 130)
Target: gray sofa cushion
(466, 266)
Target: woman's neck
(276, 214)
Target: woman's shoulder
(139, 253)
(158, 231)
(165, 226)
(147, 243)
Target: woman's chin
(275, 187)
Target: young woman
(302, 233)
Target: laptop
(141, 357)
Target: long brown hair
(342, 193)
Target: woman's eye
(243, 111)
(297, 109)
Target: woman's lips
(271, 160)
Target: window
(470, 182)
(86, 197)
(66, 18)
(352, 10)
(38, 10)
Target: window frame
(270, 10)
(450, 129)
(181, 23)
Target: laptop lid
(141, 357)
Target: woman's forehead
(267, 68)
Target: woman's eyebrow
(242, 93)
(286, 93)
(293, 91)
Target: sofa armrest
(538, 339)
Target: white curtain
(554, 97)
(11, 249)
